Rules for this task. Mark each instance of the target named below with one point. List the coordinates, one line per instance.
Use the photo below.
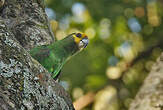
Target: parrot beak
(83, 43)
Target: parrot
(56, 54)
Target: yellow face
(81, 40)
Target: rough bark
(24, 83)
(27, 20)
(150, 95)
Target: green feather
(54, 56)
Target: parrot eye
(78, 35)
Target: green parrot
(55, 55)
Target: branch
(24, 83)
(84, 101)
(28, 22)
(150, 95)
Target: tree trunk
(24, 83)
(150, 95)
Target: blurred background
(125, 40)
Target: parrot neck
(67, 48)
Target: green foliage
(128, 30)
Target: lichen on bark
(24, 83)
(28, 22)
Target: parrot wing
(40, 53)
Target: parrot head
(81, 40)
